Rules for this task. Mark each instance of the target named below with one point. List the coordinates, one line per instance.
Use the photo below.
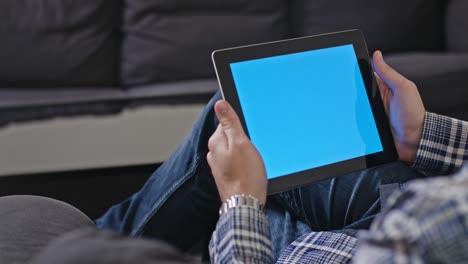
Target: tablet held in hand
(310, 105)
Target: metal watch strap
(240, 200)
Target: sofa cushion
(58, 43)
(180, 92)
(20, 105)
(168, 40)
(391, 26)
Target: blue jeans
(179, 203)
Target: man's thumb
(390, 76)
(228, 119)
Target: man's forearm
(242, 235)
(444, 145)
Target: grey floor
(140, 136)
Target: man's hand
(236, 165)
(404, 108)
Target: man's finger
(384, 90)
(217, 140)
(381, 84)
(209, 158)
(391, 77)
(229, 121)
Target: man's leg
(350, 201)
(284, 226)
(180, 202)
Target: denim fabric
(179, 203)
(347, 202)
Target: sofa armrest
(442, 78)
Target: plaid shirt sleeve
(426, 223)
(242, 235)
(443, 147)
(321, 248)
(430, 212)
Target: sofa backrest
(167, 40)
(457, 26)
(58, 43)
(62, 43)
(388, 25)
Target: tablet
(310, 105)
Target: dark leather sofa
(79, 57)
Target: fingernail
(223, 108)
(381, 55)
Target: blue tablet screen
(307, 109)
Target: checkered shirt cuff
(242, 235)
(443, 146)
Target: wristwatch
(240, 200)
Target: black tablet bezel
(223, 58)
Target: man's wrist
(409, 145)
(410, 149)
(241, 200)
